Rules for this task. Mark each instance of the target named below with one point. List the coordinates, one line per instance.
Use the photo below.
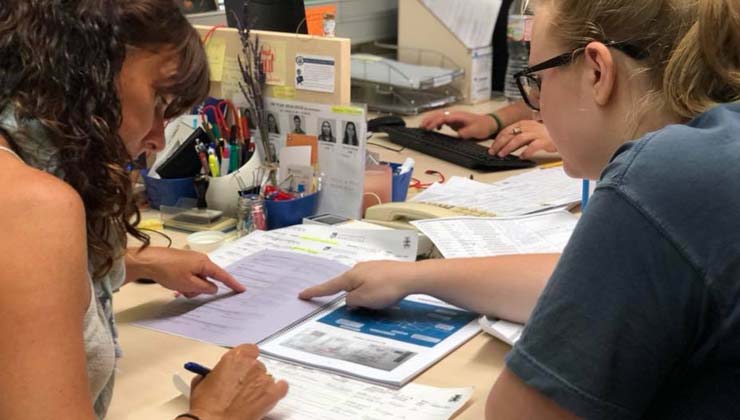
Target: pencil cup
(223, 191)
(290, 212)
(166, 192)
(401, 183)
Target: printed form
(531, 192)
(270, 304)
(462, 237)
(317, 395)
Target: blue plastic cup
(400, 187)
(290, 212)
(167, 192)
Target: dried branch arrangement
(253, 81)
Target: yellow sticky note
(216, 51)
(350, 110)
(283, 92)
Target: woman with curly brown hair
(85, 86)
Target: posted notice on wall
(341, 133)
(315, 73)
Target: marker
(196, 368)
(584, 194)
(213, 162)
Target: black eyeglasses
(530, 84)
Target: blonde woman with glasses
(639, 316)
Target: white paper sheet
(318, 240)
(461, 237)
(316, 395)
(472, 21)
(270, 304)
(388, 347)
(403, 244)
(293, 156)
(508, 332)
(533, 191)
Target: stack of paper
(270, 304)
(388, 347)
(461, 237)
(319, 395)
(531, 192)
(343, 245)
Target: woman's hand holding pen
(374, 284)
(188, 272)
(238, 388)
(468, 125)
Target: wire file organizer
(423, 80)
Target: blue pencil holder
(290, 212)
(167, 191)
(400, 187)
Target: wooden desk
(144, 387)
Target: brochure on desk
(388, 347)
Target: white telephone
(398, 215)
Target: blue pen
(197, 369)
(584, 194)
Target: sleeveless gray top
(99, 329)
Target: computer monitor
(270, 15)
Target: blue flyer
(408, 321)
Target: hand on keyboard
(528, 134)
(467, 125)
(464, 153)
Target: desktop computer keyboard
(461, 152)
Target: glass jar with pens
(250, 214)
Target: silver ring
(516, 131)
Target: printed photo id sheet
(341, 133)
(388, 347)
(269, 305)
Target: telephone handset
(398, 215)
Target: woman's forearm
(505, 287)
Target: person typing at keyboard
(513, 126)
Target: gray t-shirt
(641, 318)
